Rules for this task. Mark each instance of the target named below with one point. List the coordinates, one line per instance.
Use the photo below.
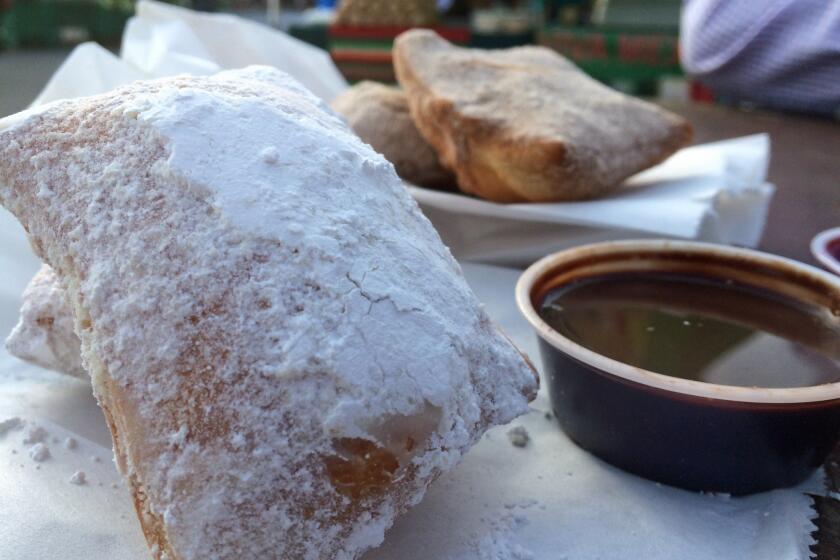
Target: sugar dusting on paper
(499, 540)
(39, 452)
(518, 436)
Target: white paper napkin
(162, 32)
(165, 40)
(714, 192)
(548, 501)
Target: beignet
(379, 115)
(285, 352)
(527, 125)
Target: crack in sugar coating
(286, 354)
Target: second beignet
(379, 115)
(525, 124)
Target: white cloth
(165, 40)
(784, 54)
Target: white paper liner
(714, 192)
(547, 501)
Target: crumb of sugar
(39, 452)
(518, 436)
(270, 155)
(70, 443)
(499, 541)
(10, 424)
(35, 434)
(78, 478)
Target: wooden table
(805, 167)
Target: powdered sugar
(518, 436)
(39, 452)
(44, 334)
(499, 540)
(78, 478)
(270, 155)
(278, 312)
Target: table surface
(805, 167)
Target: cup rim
(819, 248)
(761, 395)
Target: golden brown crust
(524, 124)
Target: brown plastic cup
(685, 433)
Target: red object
(655, 50)
(701, 93)
(350, 55)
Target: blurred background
(632, 45)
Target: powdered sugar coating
(248, 320)
(44, 334)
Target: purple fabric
(779, 53)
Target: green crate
(317, 34)
(109, 24)
(481, 40)
(49, 23)
(30, 23)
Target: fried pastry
(44, 334)
(525, 124)
(285, 352)
(379, 115)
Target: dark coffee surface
(699, 328)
